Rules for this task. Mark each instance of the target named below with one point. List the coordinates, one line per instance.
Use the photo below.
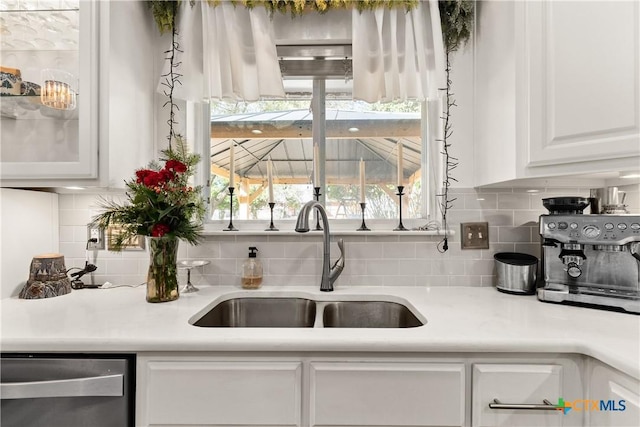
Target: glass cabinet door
(48, 103)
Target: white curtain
(230, 53)
(240, 53)
(398, 55)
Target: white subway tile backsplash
(514, 234)
(514, 201)
(382, 267)
(121, 266)
(399, 250)
(74, 217)
(371, 260)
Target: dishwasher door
(67, 391)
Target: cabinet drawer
(384, 394)
(515, 384)
(223, 393)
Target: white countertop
(459, 319)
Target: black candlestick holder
(271, 226)
(316, 195)
(363, 227)
(230, 227)
(400, 193)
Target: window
(281, 131)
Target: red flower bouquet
(165, 207)
(161, 202)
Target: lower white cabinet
(511, 389)
(219, 393)
(384, 390)
(616, 397)
(387, 394)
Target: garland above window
(456, 16)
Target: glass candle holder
(59, 89)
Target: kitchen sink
(368, 314)
(252, 312)
(299, 312)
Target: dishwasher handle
(106, 385)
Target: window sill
(336, 228)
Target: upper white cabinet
(557, 89)
(42, 139)
(112, 130)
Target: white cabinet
(616, 396)
(212, 392)
(112, 131)
(387, 394)
(390, 390)
(557, 87)
(515, 386)
(41, 139)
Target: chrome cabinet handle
(547, 406)
(107, 385)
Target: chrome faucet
(329, 275)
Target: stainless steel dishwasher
(70, 390)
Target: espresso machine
(589, 259)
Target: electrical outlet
(97, 233)
(475, 235)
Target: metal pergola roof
(285, 138)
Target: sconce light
(58, 90)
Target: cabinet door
(57, 139)
(217, 393)
(617, 397)
(515, 384)
(584, 81)
(386, 394)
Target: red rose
(141, 174)
(165, 175)
(151, 179)
(159, 230)
(176, 166)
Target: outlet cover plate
(94, 232)
(475, 235)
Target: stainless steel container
(516, 272)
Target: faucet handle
(337, 268)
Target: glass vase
(162, 278)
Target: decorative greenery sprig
(456, 19)
(160, 201)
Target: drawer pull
(546, 406)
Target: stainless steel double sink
(295, 312)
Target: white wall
(28, 227)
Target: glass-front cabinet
(48, 107)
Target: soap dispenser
(252, 270)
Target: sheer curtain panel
(230, 53)
(398, 55)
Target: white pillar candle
(316, 165)
(400, 168)
(270, 179)
(362, 198)
(232, 166)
